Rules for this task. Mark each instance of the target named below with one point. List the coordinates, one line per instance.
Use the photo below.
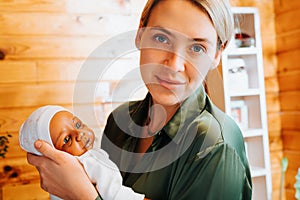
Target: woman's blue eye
(160, 38)
(197, 49)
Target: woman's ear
(138, 38)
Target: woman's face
(177, 49)
(69, 134)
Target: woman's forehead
(183, 17)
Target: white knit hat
(37, 127)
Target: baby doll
(66, 132)
(59, 127)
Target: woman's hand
(61, 174)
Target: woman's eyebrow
(205, 40)
(158, 28)
(168, 32)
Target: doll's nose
(80, 136)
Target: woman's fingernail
(38, 144)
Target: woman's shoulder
(214, 127)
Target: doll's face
(69, 134)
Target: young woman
(175, 144)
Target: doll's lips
(86, 140)
(88, 143)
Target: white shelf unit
(247, 105)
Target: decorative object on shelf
(297, 185)
(243, 40)
(4, 142)
(239, 112)
(238, 76)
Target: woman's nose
(175, 61)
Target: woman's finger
(46, 149)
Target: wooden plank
(65, 24)
(285, 6)
(12, 118)
(62, 47)
(74, 6)
(275, 143)
(68, 70)
(17, 170)
(57, 70)
(276, 177)
(275, 133)
(14, 150)
(288, 61)
(290, 120)
(48, 93)
(290, 177)
(270, 62)
(289, 101)
(294, 160)
(288, 42)
(274, 123)
(272, 101)
(32, 6)
(276, 157)
(290, 194)
(17, 72)
(35, 95)
(116, 7)
(28, 191)
(285, 23)
(289, 81)
(291, 140)
(290, 180)
(48, 47)
(271, 85)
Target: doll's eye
(78, 125)
(67, 139)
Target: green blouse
(198, 154)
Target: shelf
(244, 98)
(258, 172)
(248, 92)
(252, 133)
(241, 51)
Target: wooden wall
(287, 15)
(45, 44)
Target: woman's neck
(160, 115)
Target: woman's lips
(169, 83)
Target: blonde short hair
(219, 12)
